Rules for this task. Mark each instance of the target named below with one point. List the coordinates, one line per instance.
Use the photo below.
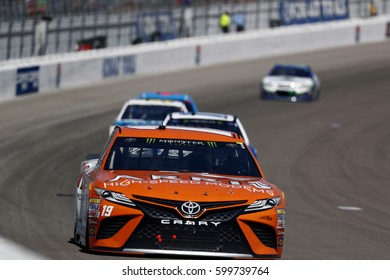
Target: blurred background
(38, 27)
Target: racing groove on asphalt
(326, 156)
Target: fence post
(9, 35)
(70, 33)
(257, 13)
(57, 43)
(22, 38)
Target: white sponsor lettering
(204, 179)
(117, 178)
(189, 223)
(251, 186)
(157, 177)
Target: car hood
(186, 186)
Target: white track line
(350, 208)
(12, 251)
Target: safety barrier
(48, 74)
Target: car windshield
(290, 71)
(215, 124)
(229, 158)
(149, 112)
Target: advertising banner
(27, 80)
(310, 11)
(114, 67)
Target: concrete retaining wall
(52, 73)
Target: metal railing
(38, 27)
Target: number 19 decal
(107, 209)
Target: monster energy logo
(150, 140)
(212, 144)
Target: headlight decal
(115, 197)
(263, 204)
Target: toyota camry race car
(291, 82)
(178, 191)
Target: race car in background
(225, 122)
(178, 191)
(290, 82)
(137, 112)
(185, 98)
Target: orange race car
(178, 191)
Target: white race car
(291, 82)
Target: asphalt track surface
(326, 155)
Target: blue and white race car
(138, 112)
(290, 82)
(185, 98)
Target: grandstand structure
(42, 27)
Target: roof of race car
(182, 97)
(155, 102)
(194, 133)
(145, 102)
(208, 116)
(204, 116)
(162, 95)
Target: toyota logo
(190, 208)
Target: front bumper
(287, 96)
(229, 233)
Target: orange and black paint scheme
(145, 194)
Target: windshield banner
(309, 11)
